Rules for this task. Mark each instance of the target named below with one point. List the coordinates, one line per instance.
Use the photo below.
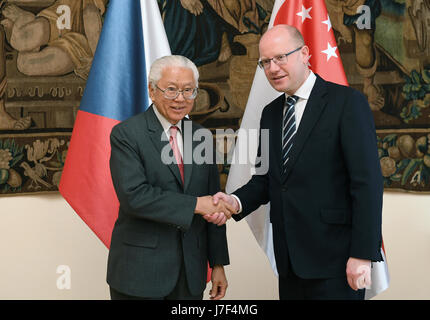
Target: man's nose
(273, 67)
(180, 96)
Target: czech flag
(132, 38)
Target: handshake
(217, 209)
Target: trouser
(180, 292)
(292, 287)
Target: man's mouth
(177, 108)
(278, 78)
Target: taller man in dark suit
(324, 180)
(160, 244)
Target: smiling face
(176, 77)
(291, 75)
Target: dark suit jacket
(156, 226)
(327, 206)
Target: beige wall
(40, 233)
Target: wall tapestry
(390, 64)
(46, 50)
(44, 65)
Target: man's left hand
(219, 283)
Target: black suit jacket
(156, 226)
(327, 206)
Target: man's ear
(305, 54)
(151, 91)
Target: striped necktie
(288, 129)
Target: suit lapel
(314, 107)
(276, 124)
(156, 132)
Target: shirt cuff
(238, 201)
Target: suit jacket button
(284, 189)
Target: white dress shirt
(303, 93)
(166, 128)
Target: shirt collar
(164, 122)
(305, 89)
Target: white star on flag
(328, 23)
(330, 51)
(304, 13)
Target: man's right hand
(219, 218)
(226, 198)
(206, 205)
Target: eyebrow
(176, 84)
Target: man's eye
(171, 89)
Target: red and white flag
(311, 18)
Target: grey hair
(160, 64)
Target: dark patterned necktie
(288, 129)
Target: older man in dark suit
(324, 180)
(161, 245)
